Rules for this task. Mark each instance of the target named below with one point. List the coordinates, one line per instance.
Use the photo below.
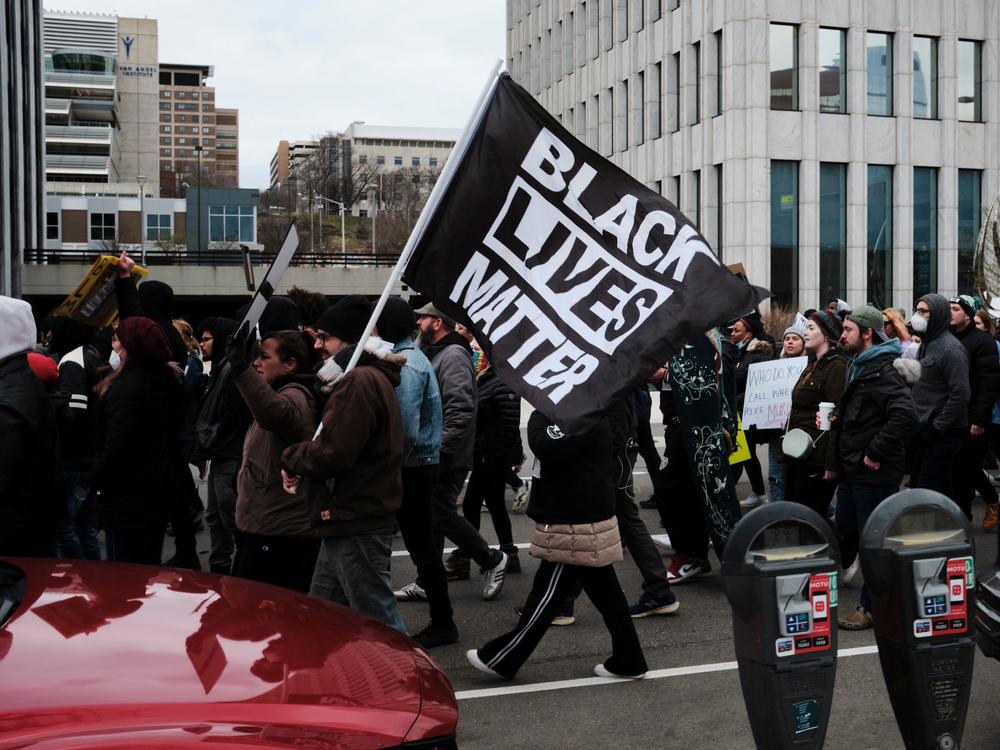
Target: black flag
(577, 280)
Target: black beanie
(346, 319)
(397, 321)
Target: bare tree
(404, 193)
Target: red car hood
(107, 650)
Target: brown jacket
(360, 449)
(281, 417)
(823, 380)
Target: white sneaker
(752, 501)
(472, 656)
(602, 671)
(493, 578)
(850, 573)
(521, 497)
(411, 592)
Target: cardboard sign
(769, 392)
(94, 301)
(742, 452)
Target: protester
(74, 400)
(984, 484)
(576, 538)
(277, 542)
(793, 344)
(984, 386)
(748, 334)
(941, 395)
(870, 430)
(808, 479)
(31, 489)
(451, 356)
(361, 450)
(420, 405)
(140, 411)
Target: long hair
(897, 323)
(187, 334)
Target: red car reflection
(101, 655)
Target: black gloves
(241, 350)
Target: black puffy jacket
(876, 417)
(498, 423)
(984, 373)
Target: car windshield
(12, 587)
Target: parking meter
(916, 554)
(988, 617)
(780, 567)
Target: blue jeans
(76, 535)
(855, 503)
(775, 470)
(221, 514)
(353, 570)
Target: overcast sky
(299, 68)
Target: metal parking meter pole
(780, 568)
(917, 558)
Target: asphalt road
(692, 697)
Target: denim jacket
(420, 403)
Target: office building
(834, 149)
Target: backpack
(205, 437)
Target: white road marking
(655, 674)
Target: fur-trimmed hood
(760, 345)
(908, 368)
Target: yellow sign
(742, 452)
(93, 301)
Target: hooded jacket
(984, 373)
(498, 423)
(284, 413)
(236, 417)
(30, 487)
(451, 358)
(876, 417)
(360, 449)
(153, 300)
(941, 394)
(756, 350)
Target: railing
(101, 133)
(156, 256)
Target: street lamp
(141, 179)
(343, 233)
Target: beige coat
(591, 545)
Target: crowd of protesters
(312, 467)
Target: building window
(696, 200)
(676, 58)
(676, 190)
(718, 211)
(639, 98)
(569, 32)
(970, 81)
(969, 220)
(52, 225)
(622, 117)
(206, 131)
(653, 9)
(879, 234)
(164, 105)
(696, 49)
(718, 72)
(165, 94)
(181, 140)
(397, 161)
(832, 70)
(158, 227)
(194, 95)
(607, 23)
(879, 49)
(925, 77)
(102, 227)
(415, 161)
(230, 224)
(784, 66)
(362, 158)
(380, 160)
(166, 128)
(925, 203)
(784, 233)
(432, 161)
(656, 102)
(165, 152)
(832, 231)
(182, 94)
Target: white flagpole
(447, 174)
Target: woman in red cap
(140, 408)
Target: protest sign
(94, 301)
(577, 280)
(769, 392)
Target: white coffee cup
(825, 410)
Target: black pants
(647, 448)
(284, 561)
(183, 508)
(805, 484)
(488, 484)
(968, 473)
(754, 472)
(934, 464)
(553, 581)
(677, 500)
(415, 524)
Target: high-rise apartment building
(834, 149)
(227, 146)
(22, 155)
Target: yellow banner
(93, 301)
(742, 452)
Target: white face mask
(115, 360)
(919, 323)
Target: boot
(992, 517)
(513, 562)
(456, 567)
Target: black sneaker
(435, 635)
(649, 604)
